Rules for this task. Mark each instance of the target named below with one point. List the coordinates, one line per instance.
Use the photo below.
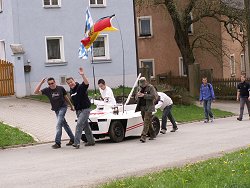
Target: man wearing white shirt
(165, 103)
(106, 93)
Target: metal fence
(180, 81)
(226, 87)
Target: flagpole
(93, 69)
(88, 25)
(123, 67)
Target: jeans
(243, 101)
(167, 114)
(207, 109)
(148, 127)
(61, 122)
(83, 124)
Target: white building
(50, 32)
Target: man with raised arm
(58, 97)
(79, 96)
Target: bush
(179, 95)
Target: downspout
(136, 42)
(247, 9)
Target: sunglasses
(51, 83)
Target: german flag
(103, 24)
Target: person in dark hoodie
(81, 102)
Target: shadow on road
(108, 141)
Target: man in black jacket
(79, 96)
(243, 90)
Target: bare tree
(228, 12)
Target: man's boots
(143, 138)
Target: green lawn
(230, 171)
(13, 136)
(183, 113)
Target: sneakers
(206, 121)
(163, 131)
(77, 146)
(70, 143)
(239, 119)
(152, 137)
(90, 144)
(56, 146)
(174, 129)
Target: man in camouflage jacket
(145, 103)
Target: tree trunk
(182, 40)
(194, 79)
(184, 46)
(181, 33)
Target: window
(51, 3)
(97, 3)
(145, 26)
(1, 6)
(150, 64)
(242, 63)
(191, 27)
(2, 50)
(183, 69)
(54, 49)
(232, 65)
(101, 48)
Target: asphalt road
(41, 166)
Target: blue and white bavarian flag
(83, 53)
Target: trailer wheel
(116, 131)
(156, 125)
(84, 139)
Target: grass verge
(10, 136)
(190, 113)
(231, 170)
